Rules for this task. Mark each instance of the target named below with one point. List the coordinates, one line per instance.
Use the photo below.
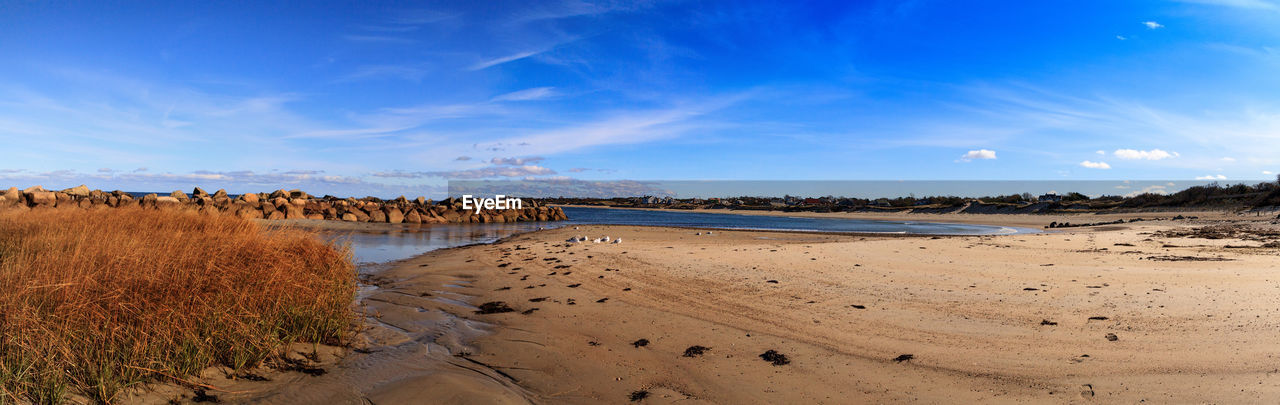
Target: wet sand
(1120, 313)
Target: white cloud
(1212, 177)
(1101, 152)
(979, 154)
(498, 61)
(1267, 172)
(1149, 189)
(481, 173)
(527, 94)
(1121, 37)
(1152, 24)
(514, 161)
(1095, 165)
(1154, 154)
(1229, 159)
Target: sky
(391, 99)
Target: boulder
(349, 217)
(250, 198)
(275, 215)
(361, 215)
(78, 191)
(41, 199)
(33, 189)
(249, 213)
(167, 202)
(221, 193)
(394, 216)
(293, 212)
(412, 217)
(377, 216)
(179, 195)
(198, 192)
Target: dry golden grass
(93, 302)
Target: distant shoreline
(1037, 221)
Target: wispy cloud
(1212, 177)
(535, 93)
(1154, 154)
(470, 174)
(1095, 165)
(1152, 24)
(504, 59)
(514, 161)
(413, 73)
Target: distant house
(648, 199)
(880, 202)
(812, 201)
(1051, 197)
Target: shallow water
(403, 243)
(583, 215)
(398, 243)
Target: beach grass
(93, 302)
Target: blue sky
(355, 99)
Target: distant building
(880, 202)
(813, 201)
(648, 199)
(1051, 197)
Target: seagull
(606, 239)
(699, 233)
(597, 240)
(575, 228)
(619, 240)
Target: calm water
(403, 243)
(777, 223)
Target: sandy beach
(1121, 313)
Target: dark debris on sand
(695, 350)
(636, 396)
(640, 343)
(202, 396)
(494, 307)
(1047, 322)
(778, 359)
(903, 357)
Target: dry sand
(984, 318)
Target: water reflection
(397, 243)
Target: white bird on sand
(575, 228)
(699, 234)
(597, 240)
(606, 239)
(619, 240)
